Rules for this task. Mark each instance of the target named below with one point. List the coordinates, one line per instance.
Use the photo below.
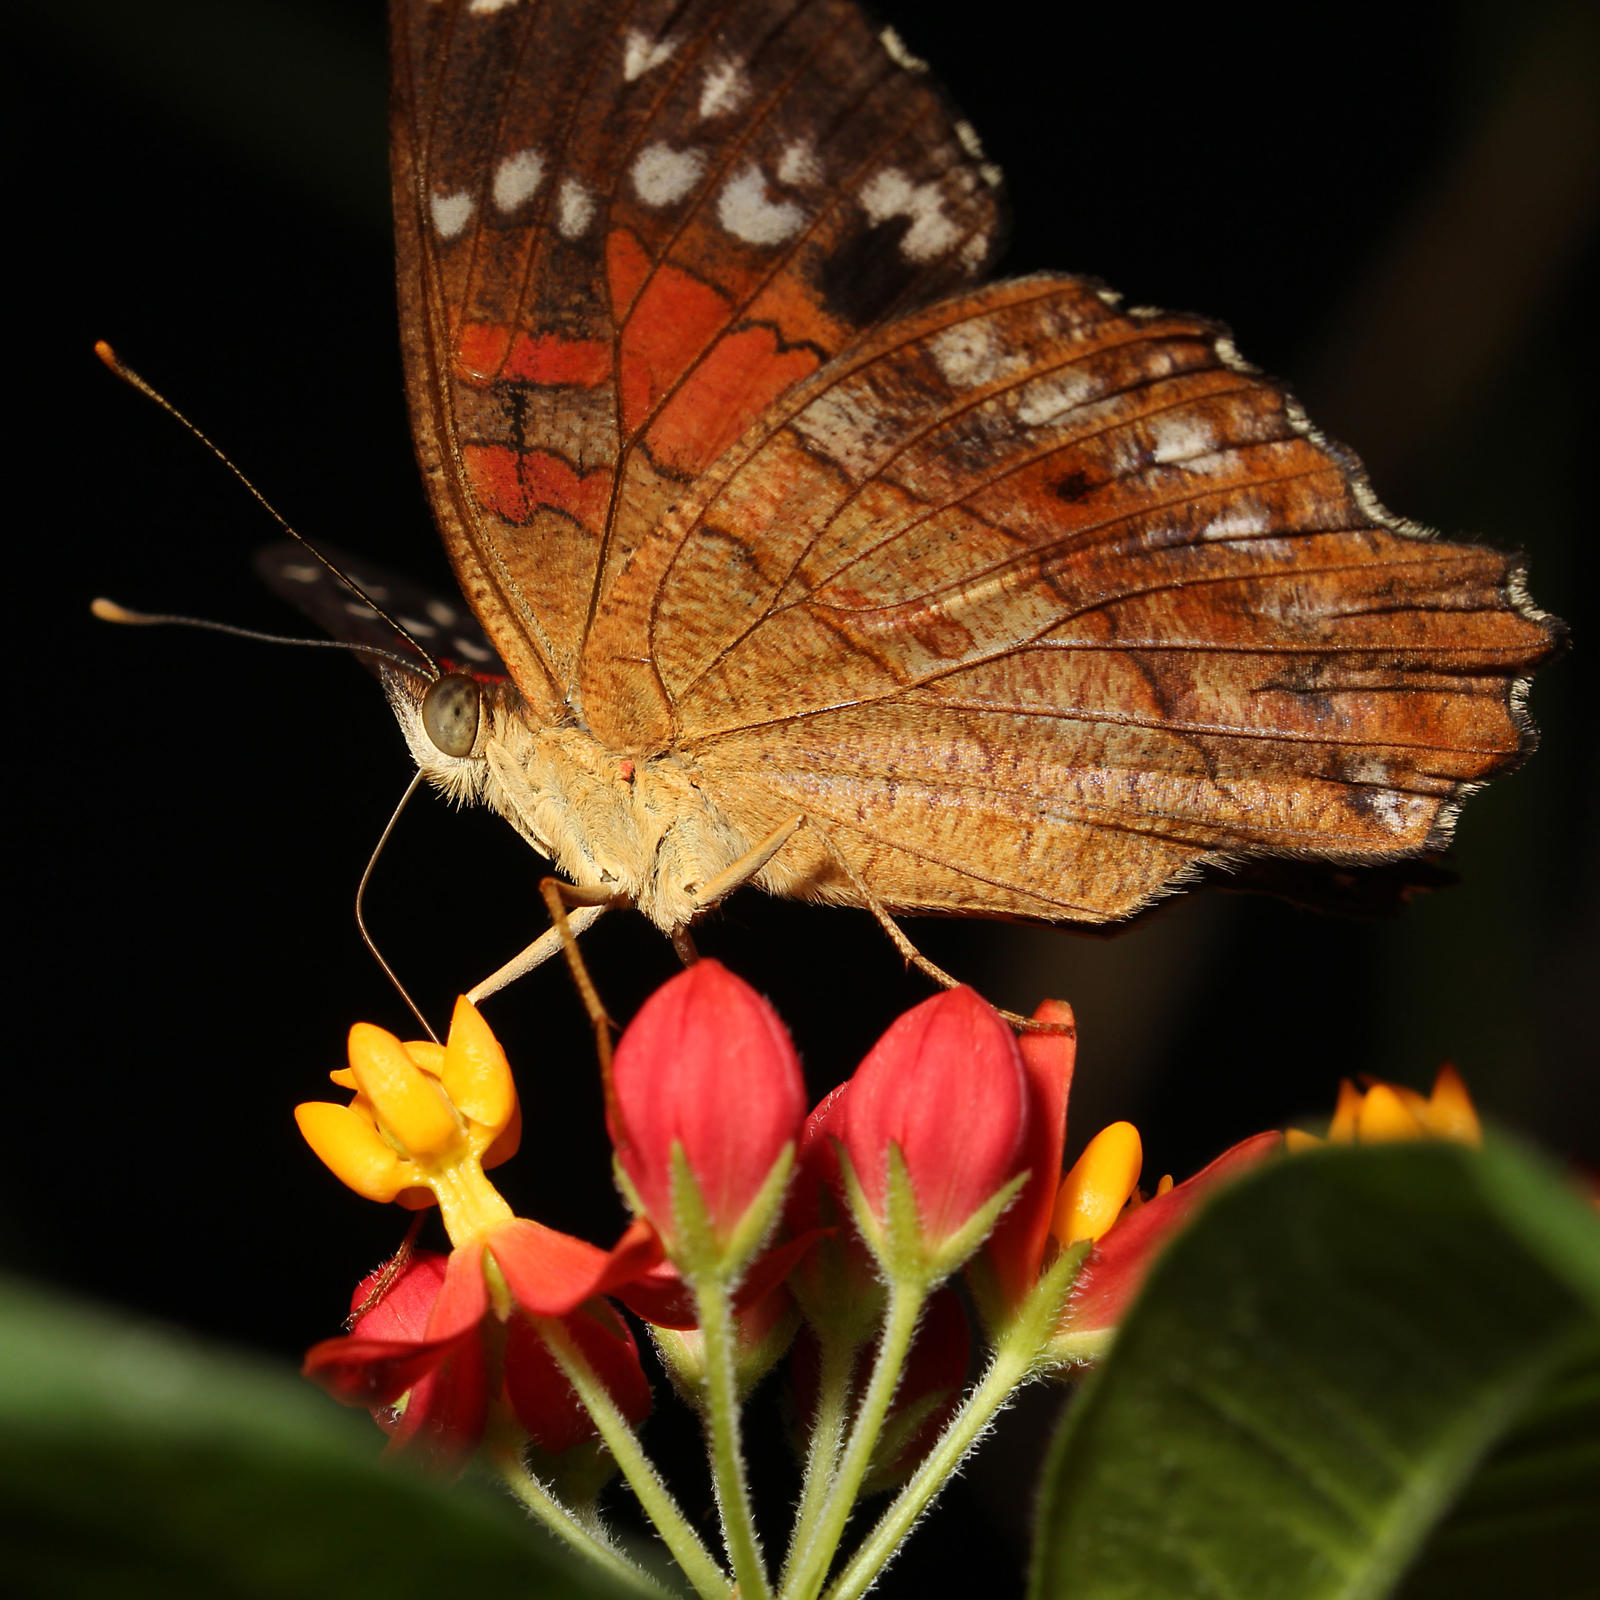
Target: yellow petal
(476, 1074)
(427, 1055)
(407, 1101)
(353, 1150)
(1345, 1114)
(1294, 1141)
(345, 1078)
(1449, 1113)
(1092, 1195)
(1385, 1117)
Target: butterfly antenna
(134, 381)
(361, 895)
(110, 611)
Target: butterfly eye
(450, 713)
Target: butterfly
(809, 558)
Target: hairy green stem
(965, 1430)
(699, 1568)
(906, 1298)
(714, 1307)
(566, 1526)
(837, 1367)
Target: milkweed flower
(435, 1352)
(1386, 1112)
(425, 1121)
(455, 1333)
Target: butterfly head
(448, 722)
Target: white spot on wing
(1046, 399)
(301, 572)
(1238, 522)
(1179, 438)
(663, 176)
(451, 212)
(472, 650)
(484, 8)
(726, 88)
(891, 193)
(746, 210)
(971, 353)
(798, 164)
(517, 177)
(641, 53)
(844, 426)
(895, 47)
(574, 209)
(441, 612)
(416, 626)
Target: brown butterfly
(815, 562)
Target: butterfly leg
(537, 953)
(908, 951)
(747, 866)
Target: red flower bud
(707, 1065)
(946, 1085)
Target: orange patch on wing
(673, 317)
(514, 484)
(739, 378)
(487, 352)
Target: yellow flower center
(425, 1121)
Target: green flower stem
(966, 1428)
(826, 1440)
(714, 1307)
(569, 1528)
(1023, 1352)
(699, 1568)
(907, 1295)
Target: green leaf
(134, 1462)
(1363, 1372)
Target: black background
(1393, 214)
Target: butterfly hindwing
(1036, 602)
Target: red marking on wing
(487, 353)
(739, 378)
(513, 484)
(674, 318)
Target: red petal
(707, 1064)
(407, 1304)
(1117, 1266)
(444, 1416)
(545, 1402)
(551, 1273)
(1017, 1245)
(363, 1370)
(945, 1083)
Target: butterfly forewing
(624, 231)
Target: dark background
(1395, 215)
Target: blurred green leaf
(1364, 1372)
(134, 1462)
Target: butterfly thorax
(641, 825)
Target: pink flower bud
(946, 1085)
(707, 1065)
